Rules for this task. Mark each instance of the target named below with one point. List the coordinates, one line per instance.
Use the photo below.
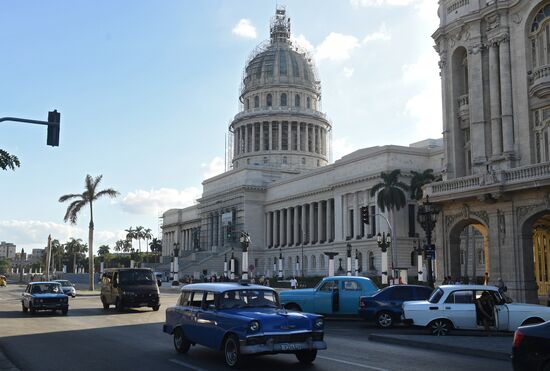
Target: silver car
(67, 287)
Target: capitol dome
(280, 124)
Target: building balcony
(463, 106)
(280, 110)
(492, 183)
(540, 81)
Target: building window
(269, 100)
(294, 61)
(282, 62)
(373, 220)
(318, 163)
(296, 100)
(284, 160)
(283, 99)
(322, 261)
(247, 103)
(313, 262)
(480, 257)
(303, 160)
(412, 221)
(248, 161)
(462, 254)
(540, 38)
(371, 261)
(256, 101)
(308, 103)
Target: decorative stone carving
(482, 215)
(516, 18)
(475, 48)
(547, 200)
(501, 225)
(466, 211)
(450, 219)
(493, 21)
(522, 211)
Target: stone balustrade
(463, 105)
(502, 177)
(540, 73)
(282, 110)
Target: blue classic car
(240, 320)
(335, 296)
(44, 296)
(386, 306)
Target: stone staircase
(196, 262)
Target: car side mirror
(508, 300)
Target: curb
(5, 363)
(441, 347)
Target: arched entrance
(541, 253)
(468, 259)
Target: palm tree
(140, 235)
(57, 255)
(147, 235)
(75, 248)
(391, 195)
(418, 180)
(87, 197)
(156, 245)
(8, 161)
(103, 250)
(130, 235)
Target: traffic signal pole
(53, 124)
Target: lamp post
(348, 261)
(225, 266)
(232, 266)
(245, 242)
(419, 250)
(176, 261)
(356, 262)
(280, 264)
(384, 241)
(331, 256)
(427, 217)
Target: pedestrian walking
(293, 283)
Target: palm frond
(402, 185)
(107, 192)
(69, 196)
(72, 211)
(376, 188)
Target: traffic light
(365, 214)
(229, 232)
(54, 119)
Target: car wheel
(180, 342)
(156, 307)
(33, 311)
(233, 356)
(440, 327)
(306, 356)
(25, 309)
(294, 307)
(104, 302)
(65, 311)
(118, 305)
(384, 320)
(532, 321)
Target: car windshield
(65, 283)
(249, 299)
(436, 296)
(46, 288)
(137, 277)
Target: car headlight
(254, 326)
(319, 323)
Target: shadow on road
(77, 312)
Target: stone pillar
(304, 225)
(296, 227)
(270, 134)
(506, 97)
(477, 107)
(356, 216)
(329, 220)
(494, 90)
(311, 233)
(253, 141)
(280, 136)
(245, 138)
(261, 136)
(338, 218)
(220, 231)
(288, 226)
(289, 135)
(345, 217)
(269, 228)
(298, 136)
(275, 229)
(306, 140)
(319, 222)
(314, 139)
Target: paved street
(90, 338)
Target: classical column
(506, 96)
(246, 138)
(494, 91)
(269, 127)
(288, 226)
(303, 232)
(477, 107)
(236, 143)
(298, 136)
(356, 216)
(314, 139)
(329, 220)
(289, 134)
(275, 228)
(306, 146)
(319, 222)
(345, 217)
(311, 233)
(338, 225)
(269, 228)
(253, 141)
(296, 226)
(261, 136)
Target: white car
(68, 287)
(453, 307)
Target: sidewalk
(494, 347)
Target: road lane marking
(353, 363)
(188, 365)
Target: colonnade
(216, 230)
(280, 136)
(187, 238)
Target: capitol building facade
(494, 161)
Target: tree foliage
(419, 180)
(390, 191)
(8, 161)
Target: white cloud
(215, 167)
(342, 147)
(372, 3)
(302, 41)
(32, 234)
(348, 72)
(152, 202)
(336, 47)
(382, 34)
(245, 28)
(425, 106)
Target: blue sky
(146, 90)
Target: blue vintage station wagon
(241, 320)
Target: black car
(384, 307)
(531, 348)
(129, 288)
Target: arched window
(283, 99)
(256, 101)
(308, 103)
(313, 262)
(305, 264)
(247, 103)
(371, 261)
(269, 100)
(322, 261)
(540, 42)
(296, 100)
